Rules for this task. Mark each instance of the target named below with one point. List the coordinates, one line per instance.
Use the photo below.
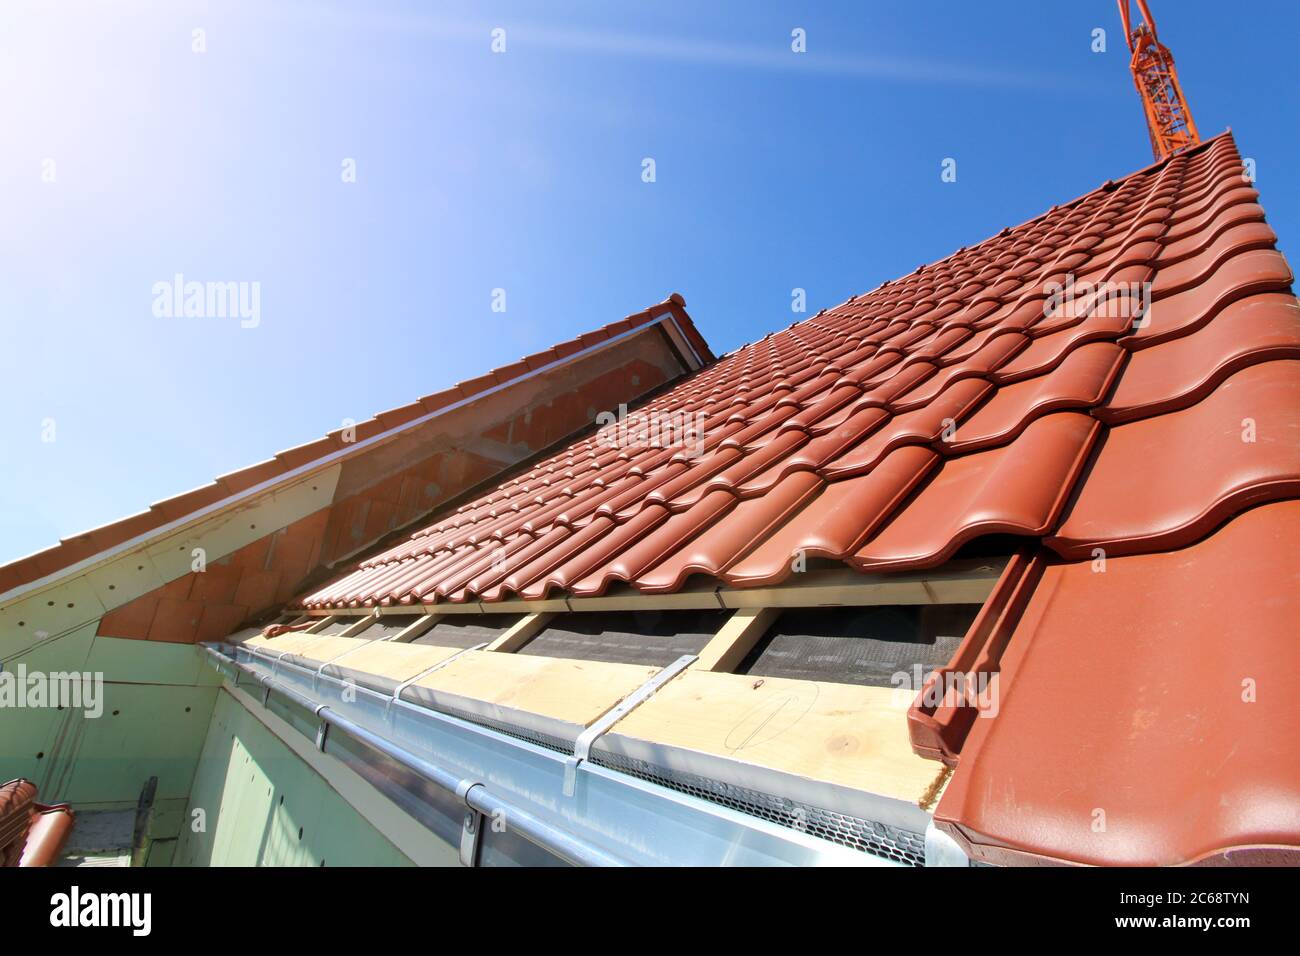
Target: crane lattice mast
(1169, 121)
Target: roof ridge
(1006, 230)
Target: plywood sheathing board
(290, 643)
(378, 665)
(383, 665)
(320, 648)
(552, 696)
(743, 730)
(313, 648)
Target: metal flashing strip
(582, 746)
(419, 757)
(351, 650)
(275, 661)
(680, 339)
(397, 692)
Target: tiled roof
(259, 476)
(983, 394)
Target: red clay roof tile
(1141, 674)
(1015, 489)
(994, 392)
(1182, 371)
(306, 453)
(1081, 381)
(1165, 481)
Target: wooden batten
(968, 581)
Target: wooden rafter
(520, 633)
(417, 627)
(736, 638)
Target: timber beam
(968, 581)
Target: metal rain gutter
(501, 799)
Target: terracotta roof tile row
(1121, 373)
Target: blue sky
(520, 170)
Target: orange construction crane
(1169, 121)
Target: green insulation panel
(150, 719)
(255, 802)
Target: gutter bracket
(322, 729)
(397, 692)
(315, 681)
(275, 661)
(471, 832)
(582, 746)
